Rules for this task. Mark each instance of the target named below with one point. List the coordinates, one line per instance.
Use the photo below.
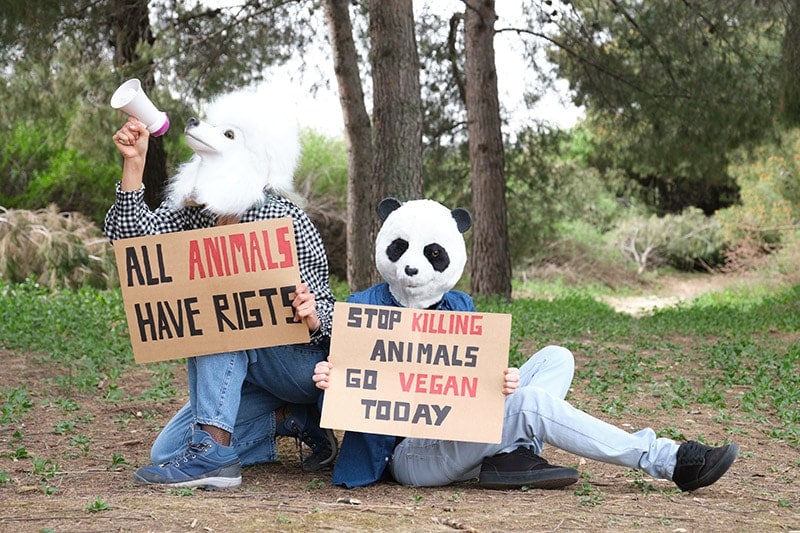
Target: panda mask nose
(411, 271)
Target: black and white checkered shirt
(131, 217)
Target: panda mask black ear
(463, 219)
(460, 215)
(386, 206)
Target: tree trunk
(790, 56)
(397, 101)
(130, 26)
(490, 260)
(361, 188)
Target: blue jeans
(535, 414)
(239, 392)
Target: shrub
(56, 249)
(685, 241)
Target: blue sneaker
(205, 463)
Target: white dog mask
(248, 143)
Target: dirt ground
(88, 483)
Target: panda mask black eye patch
(437, 256)
(396, 249)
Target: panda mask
(420, 250)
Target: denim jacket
(363, 457)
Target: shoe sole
(552, 478)
(206, 482)
(715, 473)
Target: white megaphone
(130, 98)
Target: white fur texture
(420, 223)
(228, 175)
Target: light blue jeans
(535, 414)
(239, 392)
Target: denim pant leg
(215, 385)
(433, 462)
(284, 372)
(536, 413)
(253, 436)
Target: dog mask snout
(193, 122)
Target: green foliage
(83, 330)
(769, 205)
(321, 174)
(671, 87)
(98, 505)
(15, 403)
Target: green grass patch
(736, 352)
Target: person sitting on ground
(420, 253)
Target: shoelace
(298, 435)
(190, 453)
(692, 453)
(530, 453)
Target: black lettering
(354, 317)
(370, 315)
(251, 317)
(162, 275)
(423, 411)
(368, 404)
(132, 266)
(145, 321)
(441, 413)
(384, 410)
(378, 351)
(471, 356)
(221, 305)
(402, 411)
(168, 321)
(287, 301)
(267, 294)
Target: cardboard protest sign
(417, 373)
(210, 290)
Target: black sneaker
(523, 468)
(699, 465)
(304, 426)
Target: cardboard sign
(417, 373)
(211, 290)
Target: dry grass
(55, 249)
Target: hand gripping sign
(212, 290)
(417, 373)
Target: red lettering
(475, 325)
(284, 246)
(255, 252)
(439, 384)
(213, 257)
(406, 384)
(195, 262)
(238, 246)
(270, 263)
(422, 382)
(415, 323)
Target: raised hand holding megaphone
(130, 98)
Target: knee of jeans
(562, 356)
(528, 398)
